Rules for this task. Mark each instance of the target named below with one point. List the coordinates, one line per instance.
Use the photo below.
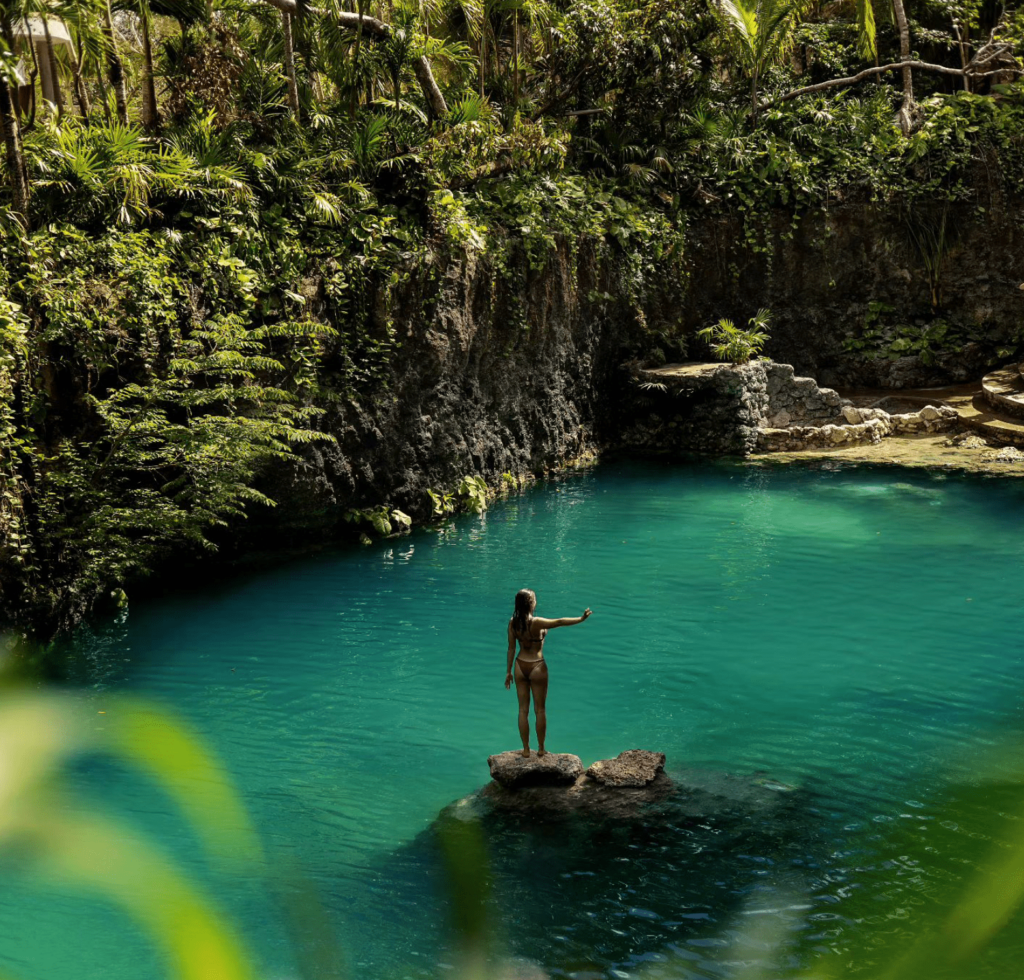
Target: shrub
(731, 343)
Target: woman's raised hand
(586, 613)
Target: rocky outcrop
(622, 787)
(686, 408)
(634, 768)
(760, 407)
(723, 408)
(513, 770)
(488, 374)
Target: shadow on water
(717, 883)
(584, 894)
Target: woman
(531, 672)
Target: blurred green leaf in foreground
(76, 846)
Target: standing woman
(531, 673)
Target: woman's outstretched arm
(551, 624)
(511, 656)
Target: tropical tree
(761, 31)
(13, 153)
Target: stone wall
(793, 400)
(858, 425)
(721, 408)
(848, 268)
(757, 407)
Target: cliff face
(932, 291)
(489, 379)
(515, 375)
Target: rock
(852, 414)
(586, 798)
(635, 767)
(967, 440)
(556, 786)
(929, 413)
(512, 770)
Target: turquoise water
(851, 633)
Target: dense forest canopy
(177, 173)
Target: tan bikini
(528, 666)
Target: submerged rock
(513, 770)
(636, 767)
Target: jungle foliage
(206, 233)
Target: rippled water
(850, 633)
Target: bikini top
(530, 639)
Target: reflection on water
(844, 632)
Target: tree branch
(880, 69)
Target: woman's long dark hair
(526, 602)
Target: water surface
(850, 633)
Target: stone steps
(1004, 390)
(990, 423)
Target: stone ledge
(513, 770)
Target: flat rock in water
(513, 771)
(633, 768)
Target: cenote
(850, 634)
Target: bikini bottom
(528, 666)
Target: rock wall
(496, 378)
(858, 425)
(721, 408)
(793, 400)
(488, 380)
(703, 408)
(850, 273)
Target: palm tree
(762, 32)
(289, 63)
(115, 65)
(79, 18)
(15, 157)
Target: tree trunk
(150, 110)
(289, 63)
(483, 53)
(962, 38)
(33, 75)
(104, 95)
(356, 52)
(515, 58)
(115, 66)
(12, 148)
(906, 121)
(81, 92)
(51, 58)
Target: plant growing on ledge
(732, 343)
(473, 490)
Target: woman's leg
(539, 686)
(523, 693)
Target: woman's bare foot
(526, 753)
(541, 753)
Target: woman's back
(528, 642)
